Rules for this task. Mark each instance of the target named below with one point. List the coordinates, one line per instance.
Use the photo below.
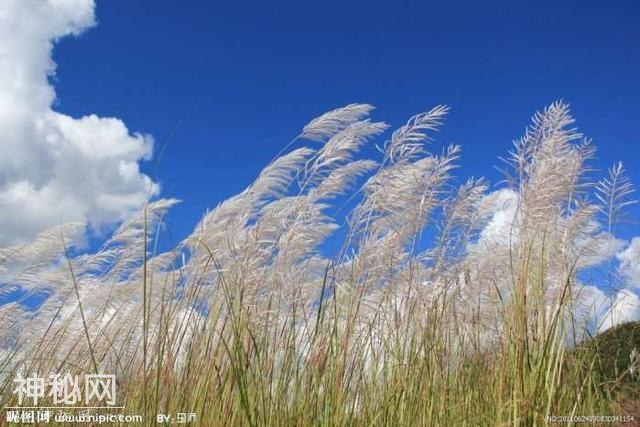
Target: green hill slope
(613, 349)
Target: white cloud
(597, 249)
(625, 304)
(55, 168)
(630, 263)
(500, 206)
(594, 309)
(625, 307)
(589, 311)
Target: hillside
(614, 348)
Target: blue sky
(222, 88)
(232, 82)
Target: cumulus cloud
(55, 168)
(598, 249)
(630, 263)
(625, 307)
(500, 208)
(589, 312)
(598, 307)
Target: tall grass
(443, 304)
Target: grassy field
(444, 303)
